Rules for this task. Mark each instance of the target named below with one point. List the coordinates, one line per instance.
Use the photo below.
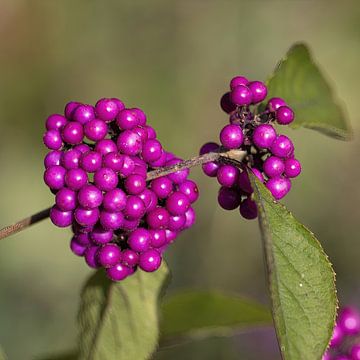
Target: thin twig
(235, 156)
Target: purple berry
(139, 240)
(130, 257)
(135, 184)
(226, 104)
(140, 115)
(158, 218)
(228, 199)
(90, 197)
(100, 236)
(284, 115)
(86, 217)
(355, 352)
(278, 187)
(237, 81)
(52, 139)
(152, 150)
(157, 238)
(61, 218)
(70, 159)
(177, 203)
(231, 136)
(176, 222)
(114, 161)
(210, 169)
(162, 187)
(151, 133)
(83, 239)
(52, 158)
(349, 321)
(190, 189)
(274, 103)
(83, 148)
(91, 161)
(111, 220)
(179, 176)
(109, 255)
(130, 224)
(273, 166)
(292, 168)
(227, 175)
(337, 337)
(258, 91)
(149, 199)
(70, 108)
(65, 199)
(150, 260)
(160, 161)
(55, 122)
(107, 109)
(126, 119)
(106, 179)
(54, 177)
(105, 146)
(95, 130)
(170, 237)
(91, 257)
(129, 143)
(248, 209)
(118, 272)
(75, 179)
(114, 200)
(73, 133)
(263, 136)
(190, 218)
(282, 146)
(77, 248)
(83, 114)
(241, 95)
(135, 207)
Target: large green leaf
(198, 314)
(301, 281)
(299, 81)
(119, 321)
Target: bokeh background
(174, 59)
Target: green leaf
(207, 313)
(301, 280)
(2, 354)
(299, 80)
(120, 320)
(69, 355)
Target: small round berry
(355, 352)
(190, 218)
(149, 199)
(70, 159)
(83, 114)
(70, 108)
(91, 161)
(130, 258)
(140, 115)
(61, 218)
(278, 187)
(349, 321)
(273, 166)
(157, 238)
(337, 337)
(274, 103)
(106, 179)
(105, 146)
(228, 199)
(263, 136)
(118, 272)
(126, 119)
(162, 187)
(52, 158)
(139, 240)
(150, 260)
(127, 166)
(248, 209)
(176, 222)
(210, 169)
(140, 170)
(114, 161)
(77, 248)
(90, 197)
(284, 115)
(142, 132)
(231, 136)
(114, 200)
(237, 81)
(91, 257)
(227, 175)
(151, 133)
(241, 95)
(129, 143)
(86, 217)
(75, 179)
(292, 168)
(258, 90)
(65, 199)
(100, 236)
(83, 148)
(83, 239)
(130, 224)
(109, 255)
(190, 189)
(209, 147)
(119, 103)
(177, 203)
(107, 109)
(158, 218)
(244, 181)
(135, 207)
(95, 130)
(226, 104)
(54, 177)
(282, 146)
(135, 184)
(73, 133)
(152, 150)
(111, 220)
(55, 122)
(179, 176)
(52, 139)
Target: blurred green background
(174, 59)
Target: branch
(232, 156)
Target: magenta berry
(114, 200)
(292, 168)
(52, 139)
(118, 272)
(274, 103)
(237, 81)
(139, 240)
(228, 199)
(231, 136)
(152, 150)
(55, 122)
(162, 187)
(135, 184)
(248, 209)
(91, 257)
(90, 161)
(89, 197)
(279, 187)
(83, 114)
(241, 95)
(264, 136)
(158, 218)
(177, 203)
(134, 208)
(227, 175)
(95, 130)
(75, 179)
(150, 260)
(61, 218)
(77, 248)
(129, 143)
(107, 109)
(52, 158)
(108, 255)
(349, 321)
(106, 179)
(284, 115)
(100, 236)
(226, 104)
(130, 257)
(111, 220)
(190, 189)
(105, 146)
(282, 146)
(86, 217)
(65, 199)
(73, 133)
(54, 177)
(273, 166)
(127, 119)
(258, 91)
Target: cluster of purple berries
(345, 341)
(97, 169)
(270, 156)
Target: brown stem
(233, 156)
